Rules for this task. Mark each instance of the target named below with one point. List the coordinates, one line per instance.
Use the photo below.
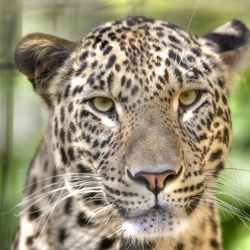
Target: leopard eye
(102, 104)
(188, 98)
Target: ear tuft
(230, 40)
(38, 56)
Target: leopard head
(139, 117)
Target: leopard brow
(195, 86)
(91, 94)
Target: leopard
(139, 128)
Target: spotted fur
(140, 175)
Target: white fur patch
(108, 122)
(27, 230)
(77, 81)
(130, 229)
(188, 116)
(135, 230)
(159, 71)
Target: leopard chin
(154, 224)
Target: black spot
(219, 111)
(86, 138)
(94, 197)
(217, 96)
(178, 75)
(226, 136)
(34, 212)
(214, 243)
(66, 92)
(171, 26)
(62, 115)
(71, 154)
(84, 56)
(68, 205)
(190, 58)
(62, 135)
(216, 124)
(63, 155)
(195, 74)
(72, 127)
(111, 61)
(91, 79)
(62, 235)
(96, 156)
(83, 169)
(173, 39)
(205, 66)
(110, 80)
(218, 168)
(174, 56)
(45, 167)
(213, 224)
(215, 155)
(166, 75)
(95, 144)
(98, 39)
(33, 185)
(196, 51)
(94, 64)
(77, 89)
(106, 243)
(123, 80)
(124, 99)
(112, 36)
(104, 44)
(167, 62)
(221, 83)
(128, 83)
(155, 93)
(30, 240)
(105, 30)
(134, 90)
(83, 220)
(117, 67)
(107, 50)
(202, 137)
(195, 199)
(199, 185)
(70, 107)
(179, 246)
(54, 176)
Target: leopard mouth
(155, 211)
(153, 223)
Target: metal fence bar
(9, 31)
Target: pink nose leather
(155, 182)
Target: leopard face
(139, 118)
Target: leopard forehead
(140, 54)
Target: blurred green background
(23, 116)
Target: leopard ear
(230, 40)
(38, 56)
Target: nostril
(137, 178)
(155, 182)
(172, 177)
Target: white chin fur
(134, 230)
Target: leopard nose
(155, 182)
